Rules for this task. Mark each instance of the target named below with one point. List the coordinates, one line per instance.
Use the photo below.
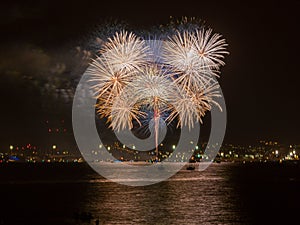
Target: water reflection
(186, 198)
(74, 194)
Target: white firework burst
(153, 87)
(210, 48)
(176, 77)
(178, 51)
(195, 56)
(123, 112)
(108, 83)
(125, 51)
(192, 104)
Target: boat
(190, 167)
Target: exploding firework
(121, 58)
(191, 104)
(152, 87)
(210, 48)
(136, 79)
(124, 111)
(195, 55)
(125, 52)
(108, 83)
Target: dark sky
(260, 80)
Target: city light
(228, 152)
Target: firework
(121, 57)
(135, 78)
(210, 48)
(178, 51)
(152, 87)
(191, 104)
(123, 112)
(195, 56)
(155, 91)
(125, 52)
(151, 92)
(108, 83)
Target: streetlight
(11, 149)
(53, 148)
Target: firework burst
(108, 83)
(165, 80)
(178, 51)
(123, 112)
(150, 93)
(122, 56)
(210, 48)
(195, 56)
(191, 104)
(125, 52)
(153, 87)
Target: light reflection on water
(187, 198)
(57, 192)
(226, 193)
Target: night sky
(260, 81)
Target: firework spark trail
(153, 82)
(192, 104)
(109, 83)
(153, 90)
(125, 51)
(123, 112)
(195, 55)
(177, 78)
(178, 51)
(107, 78)
(121, 57)
(150, 91)
(210, 48)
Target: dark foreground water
(226, 193)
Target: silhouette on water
(84, 217)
